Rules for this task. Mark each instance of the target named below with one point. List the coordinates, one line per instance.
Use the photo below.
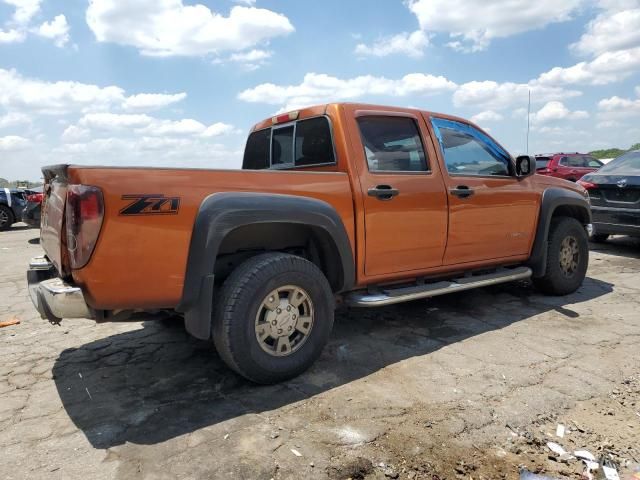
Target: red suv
(570, 166)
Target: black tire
(235, 316)
(558, 280)
(599, 237)
(6, 217)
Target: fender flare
(552, 199)
(221, 213)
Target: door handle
(383, 192)
(462, 191)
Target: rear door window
(576, 162)
(392, 144)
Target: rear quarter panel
(140, 260)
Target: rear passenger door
(404, 201)
(492, 213)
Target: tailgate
(53, 208)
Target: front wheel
(567, 257)
(6, 217)
(272, 317)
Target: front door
(405, 203)
(492, 214)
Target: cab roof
(316, 110)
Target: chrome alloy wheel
(284, 320)
(569, 256)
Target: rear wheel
(273, 317)
(6, 217)
(567, 257)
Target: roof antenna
(528, 120)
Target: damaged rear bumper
(54, 298)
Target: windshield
(627, 164)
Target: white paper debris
(296, 452)
(555, 448)
(560, 431)
(585, 455)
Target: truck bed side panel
(140, 260)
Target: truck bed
(139, 260)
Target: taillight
(84, 214)
(35, 198)
(587, 185)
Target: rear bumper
(616, 221)
(54, 298)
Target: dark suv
(570, 166)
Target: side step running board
(389, 296)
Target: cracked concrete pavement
(410, 391)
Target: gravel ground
(465, 386)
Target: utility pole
(528, 120)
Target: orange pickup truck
(360, 204)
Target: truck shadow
(156, 383)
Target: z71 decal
(150, 204)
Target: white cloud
(487, 116)
(556, 111)
(610, 31)
(149, 151)
(54, 97)
(472, 24)
(409, 44)
(251, 56)
(320, 88)
(169, 27)
(612, 40)
(152, 101)
(12, 119)
(11, 36)
(13, 143)
(57, 98)
(606, 68)
(74, 134)
(56, 30)
(114, 121)
(249, 60)
(25, 10)
(20, 24)
(218, 129)
(140, 124)
(492, 95)
(617, 107)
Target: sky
(181, 82)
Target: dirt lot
(466, 386)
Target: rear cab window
(303, 143)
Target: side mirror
(525, 166)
